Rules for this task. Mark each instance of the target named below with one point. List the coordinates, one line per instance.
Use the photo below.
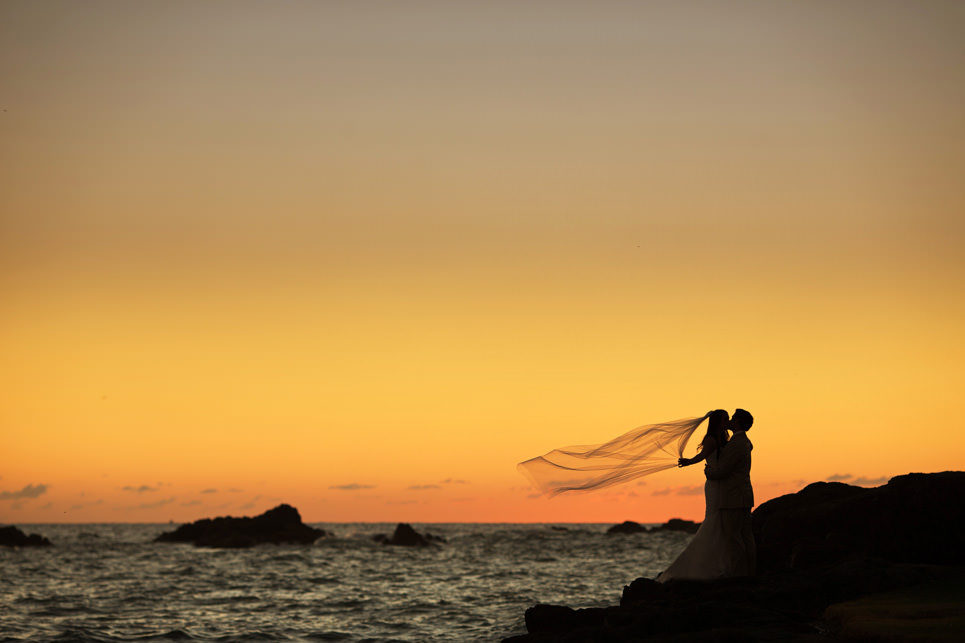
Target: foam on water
(111, 583)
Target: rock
(674, 524)
(679, 524)
(627, 527)
(642, 589)
(782, 606)
(825, 546)
(556, 618)
(914, 518)
(405, 536)
(283, 524)
(12, 537)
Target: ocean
(110, 582)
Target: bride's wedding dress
(707, 555)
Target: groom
(733, 470)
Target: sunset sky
(364, 257)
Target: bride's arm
(684, 462)
(708, 445)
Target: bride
(640, 452)
(706, 555)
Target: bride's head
(717, 422)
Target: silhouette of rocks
(679, 524)
(12, 537)
(914, 518)
(405, 536)
(283, 524)
(627, 527)
(674, 524)
(827, 545)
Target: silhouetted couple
(724, 544)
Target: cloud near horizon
(863, 481)
(454, 481)
(209, 491)
(142, 489)
(251, 503)
(153, 505)
(423, 487)
(30, 491)
(839, 477)
(690, 491)
(352, 486)
(660, 492)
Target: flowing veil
(638, 452)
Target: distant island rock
(821, 552)
(281, 525)
(627, 527)
(674, 524)
(10, 536)
(405, 536)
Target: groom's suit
(732, 470)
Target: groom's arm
(725, 465)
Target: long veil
(638, 452)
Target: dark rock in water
(828, 544)
(915, 518)
(674, 524)
(283, 524)
(406, 536)
(679, 524)
(627, 527)
(13, 537)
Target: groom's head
(742, 420)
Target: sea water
(110, 582)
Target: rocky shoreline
(820, 551)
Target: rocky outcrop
(405, 536)
(679, 524)
(12, 537)
(674, 524)
(779, 607)
(915, 518)
(281, 525)
(627, 527)
(825, 545)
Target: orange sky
(365, 258)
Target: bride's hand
(683, 462)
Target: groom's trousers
(736, 524)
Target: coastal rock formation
(405, 536)
(12, 537)
(674, 524)
(915, 518)
(679, 524)
(819, 551)
(627, 527)
(283, 524)
(788, 606)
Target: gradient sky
(364, 257)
